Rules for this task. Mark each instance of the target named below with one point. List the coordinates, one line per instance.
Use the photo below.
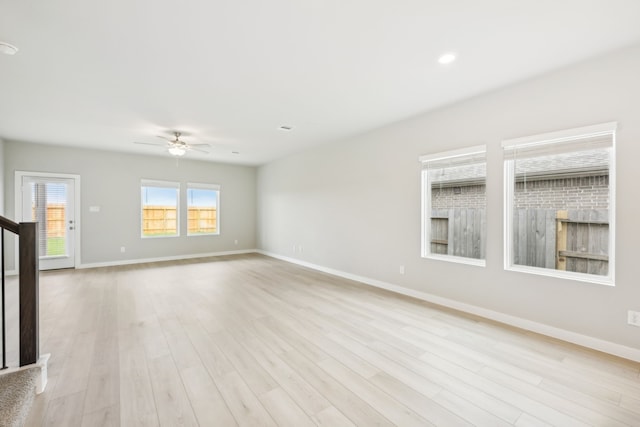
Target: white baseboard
(160, 259)
(540, 328)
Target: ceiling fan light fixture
(175, 146)
(177, 151)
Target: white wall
(354, 206)
(112, 181)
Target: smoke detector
(8, 49)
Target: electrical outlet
(235, 242)
(634, 318)
(402, 269)
(294, 248)
(123, 249)
(300, 248)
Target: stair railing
(28, 290)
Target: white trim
(561, 274)
(166, 258)
(168, 236)
(458, 259)
(203, 186)
(518, 322)
(508, 180)
(158, 183)
(443, 155)
(562, 135)
(612, 210)
(425, 243)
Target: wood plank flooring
(252, 341)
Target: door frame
(77, 210)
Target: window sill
(559, 274)
(457, 259)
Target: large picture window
(559, 204)
(454, 205)
(160, 215)
(203, 203)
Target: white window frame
(509, 178)
(426, 204)
(201, 186)
(160, 184)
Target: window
(49, 208)
(559, 204)
(203, 201)
(159, 201)
(454, 205)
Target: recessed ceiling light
(447, 58)
(286, 128)
(8, 49)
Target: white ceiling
(102, 74)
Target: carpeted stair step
(17, 391)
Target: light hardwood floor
(252, 341)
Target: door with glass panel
(49, 201)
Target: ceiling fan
(176, 147)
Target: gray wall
(354, 205)
(112, 181)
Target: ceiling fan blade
(197, 149)
(200, 145)
(157, 144)
(167, 138)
